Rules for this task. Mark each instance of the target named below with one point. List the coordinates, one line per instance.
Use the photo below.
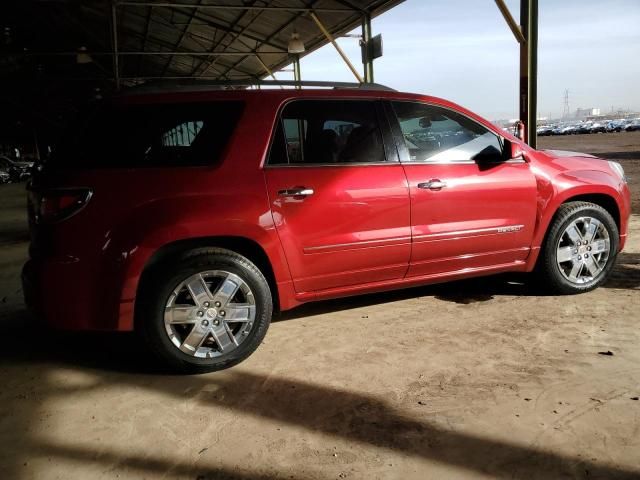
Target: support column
(523, 97)
(296, 70)
(533, 73)
(114, 34)
(367, 61)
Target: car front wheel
(580, 249)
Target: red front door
(476, 217)
(472, 207)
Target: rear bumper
(29, 287)
(62, 294)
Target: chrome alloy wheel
(583, 250)
(210, 314)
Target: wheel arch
(242, 245)
(604, 200)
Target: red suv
(191, 215)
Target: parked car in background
(569, 130)
(545, 131)
(615, 125)
(597, 128)
(583, 128)
(18, 171)
(192, 215)
(633, 126)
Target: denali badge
(510, 228)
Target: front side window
(440, 135)
(325, 132)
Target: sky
(463, 50)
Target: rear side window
(311, 132)
(158, 135)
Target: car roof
(207, 92)
(204, 93)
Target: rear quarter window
(156, 135)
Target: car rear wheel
(580, 249)
(204, 311)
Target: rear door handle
(296, 192)
(433, 184)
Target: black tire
(160, 283)
(550, 273)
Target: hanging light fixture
(295, 44)
(82, 56)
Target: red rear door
(339, 200)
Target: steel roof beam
(213, 23)
(161, 52)
(283, 26)
(343, 55)
(181, 38)
(216, 45)
(239, 7)
(513, 25)
(147, 24)
(316, 43)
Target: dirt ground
(475, 379)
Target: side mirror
(519, 130)
(514, 150)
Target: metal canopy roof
(41, 75)
(235, 39)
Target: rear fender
(148, 228)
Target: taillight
(56, 205)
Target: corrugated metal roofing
(42, 82)
(194, 38)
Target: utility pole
(565, 109)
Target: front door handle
(296, 192)
(433, 184)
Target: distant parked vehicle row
(581, 128)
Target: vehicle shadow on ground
(626, 273)
(337, 412)
(463, 292)
(116, 361)
(119, 351)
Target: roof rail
(182, 84)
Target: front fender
(567, 185)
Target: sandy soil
(476, 379)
